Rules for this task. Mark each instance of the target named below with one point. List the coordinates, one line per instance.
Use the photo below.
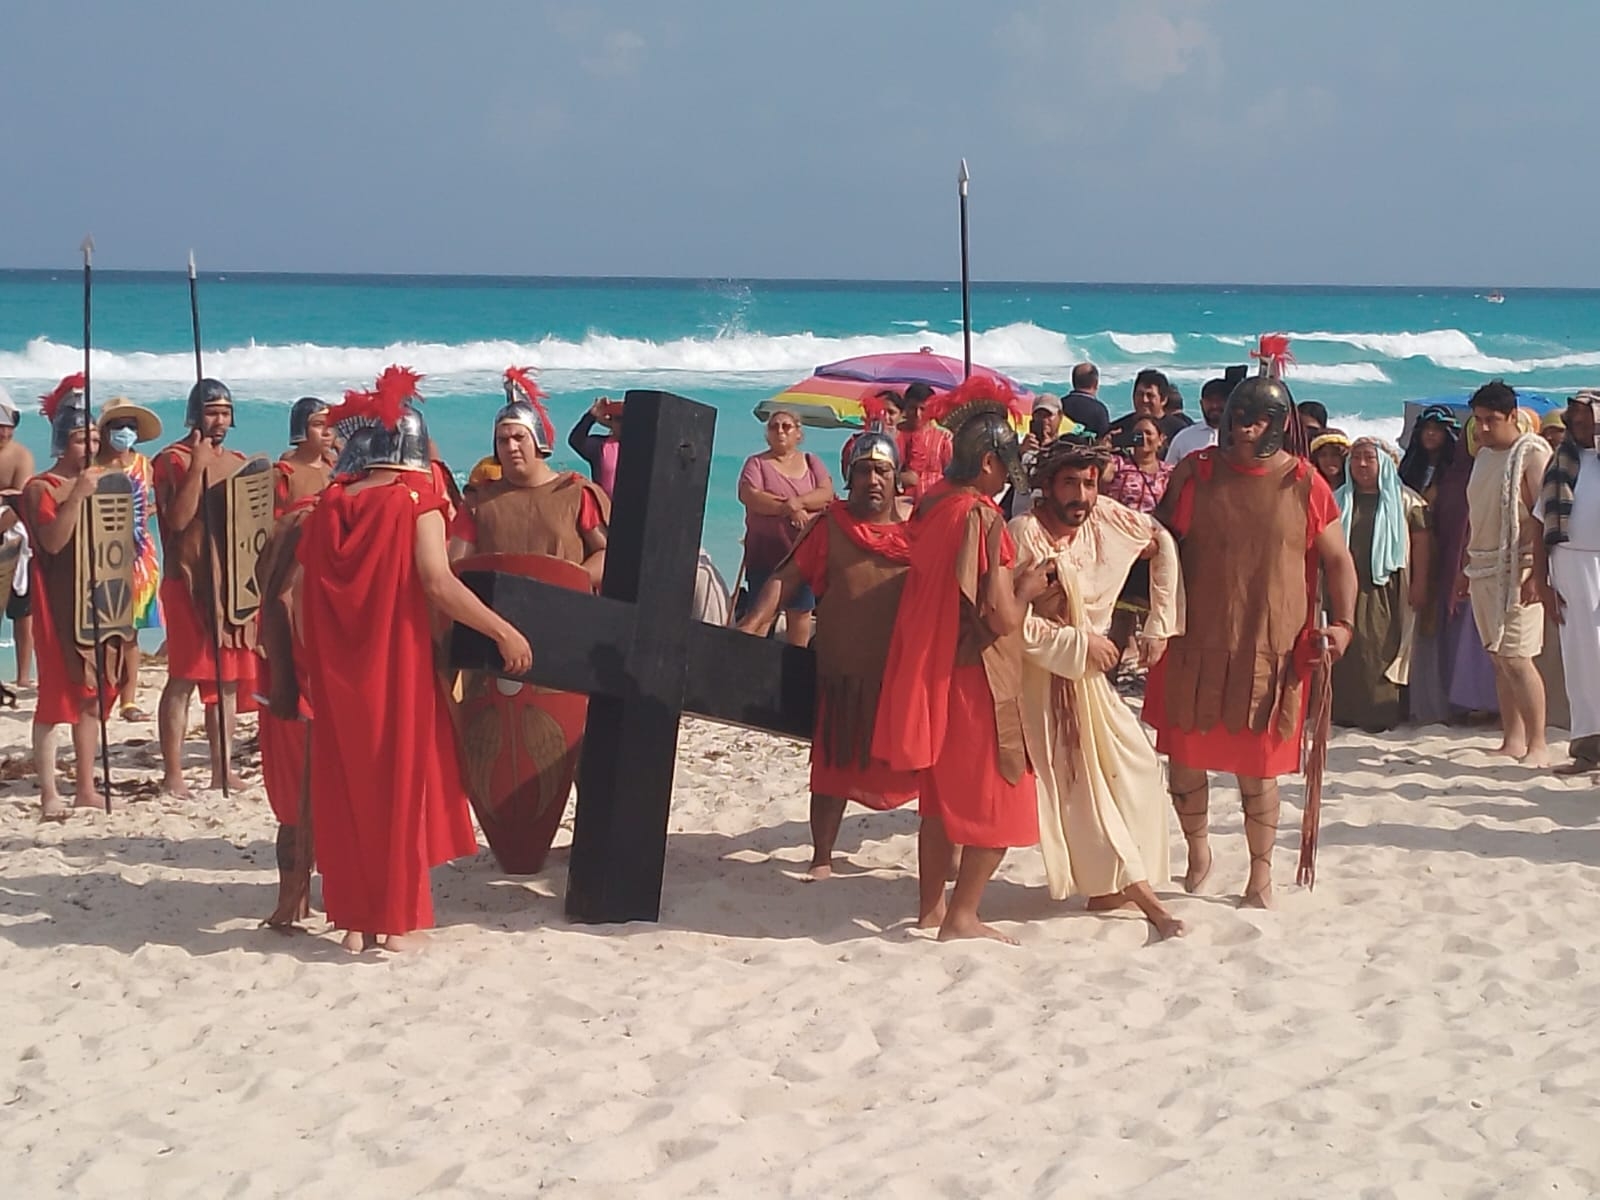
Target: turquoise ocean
(732, 343)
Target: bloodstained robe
(1102, 798)
(951, 701)
(66, 670)
(188, 589)
(387, 800)
(281, 674)
(857, 570)
(1230, 693)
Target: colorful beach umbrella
(830, 397)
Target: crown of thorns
(1068, 450)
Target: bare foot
(89, 799)
(1166, 925)
(53, 810)
(971, 927)
(176, 787)
(1537, 756)
(354, 942)
(819, 872)
(1199, 869)
(933, 918)
(1109, 903)
(1509, 749)
(235, 782)
(406, 943)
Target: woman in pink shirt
(782, 489)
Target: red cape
(914, 709)
(891, 541)
(386, 780)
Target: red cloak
(388, 803)
(936, 717)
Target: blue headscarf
(1389, 535)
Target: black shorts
(20, 606)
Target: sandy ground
(1422, 1025)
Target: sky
(1444, 142)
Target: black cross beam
(642, 659)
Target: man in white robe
(1102, 796)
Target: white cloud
(619, 56)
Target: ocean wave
(1021, 348)
(1143, 343)
(1451, 349)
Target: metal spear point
(963, 177)
(191, 264)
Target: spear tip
(963, 175)
(191, 264)
(87, 247)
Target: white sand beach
(1422, 1025)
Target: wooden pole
(211, 546)
(88, 526)
(962, 178)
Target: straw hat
(147, 424)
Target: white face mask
(122, 439)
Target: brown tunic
(1001, 656)
(296, 481)
(275, 571)
(1244, 569)
(855, 618)
(185, 555)
(58, 572)
(534, 520)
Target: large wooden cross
(636, 650)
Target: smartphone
(611, 409)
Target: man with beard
(1213, 396)
(1253, 522)
(854, 558)
(307, 466)
(181, 474)
(1102, 805)
(952, 686)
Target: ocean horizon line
(798, 283)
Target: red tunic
(927, 452)
(386, 778)
(61, 700)
(283, 754)
(940, 718)
(1254, 755)
(876, 785)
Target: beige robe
(1102, 795)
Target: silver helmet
(66, 408)
(356, 456)
(871, 444)
(525, 406)
(207, 391)
(300, 417)
(405, 447)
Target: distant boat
(1496, 297)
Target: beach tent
(830, 397)
(1537, 403)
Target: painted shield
(520, 743)
(246, 529)
(102, 601)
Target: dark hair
(1148, 376)
(890, 396)
(1316, 410)
(1173, 398)
(917, 393)
(1414, 463)
(1216, 387)
(1496, 396)
(1085, 376)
